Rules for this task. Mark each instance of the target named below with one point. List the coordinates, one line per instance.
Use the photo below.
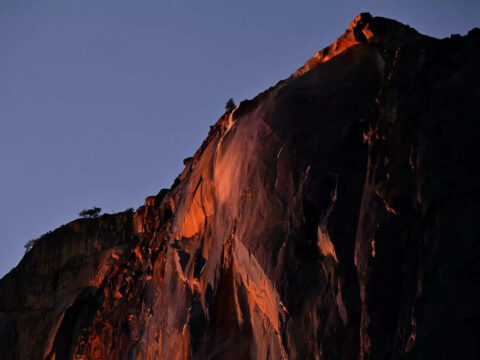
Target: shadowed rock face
(334, 216)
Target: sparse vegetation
(230, 105)
(90, 213)
(31, 243)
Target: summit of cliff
(364, 28)
(334, 216)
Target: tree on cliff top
(230, 105)
(30, 244)
(90, 213)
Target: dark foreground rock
(334, 216)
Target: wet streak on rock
(334, 216)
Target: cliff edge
(334, 216)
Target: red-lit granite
(334, 216)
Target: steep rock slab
(334, 216)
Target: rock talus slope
(334, 216)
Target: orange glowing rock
(360, 25)
(316, 221)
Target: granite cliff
(334, 216)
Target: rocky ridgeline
(334, 216)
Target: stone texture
(334, 216)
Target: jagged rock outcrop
(334, 216)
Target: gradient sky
(101, 100)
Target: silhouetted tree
(30, 244)
(230, 105)
(90, 213)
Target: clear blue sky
(101, 100)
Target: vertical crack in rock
(333, 216)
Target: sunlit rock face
(334, 216)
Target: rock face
(334, 216)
